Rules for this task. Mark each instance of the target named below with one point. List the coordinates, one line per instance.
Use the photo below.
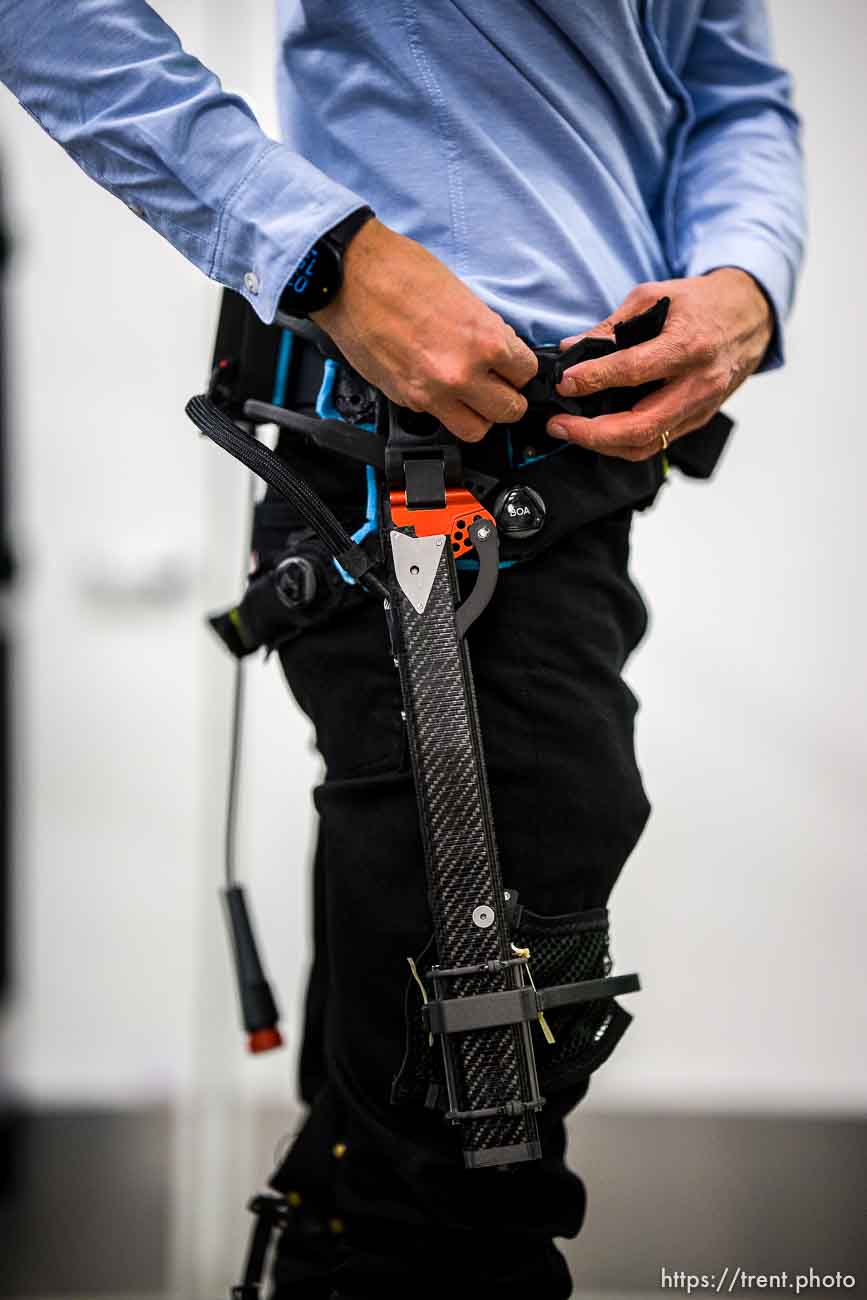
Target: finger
(673, 410)
(514, 361)
(495, 400)
(612, 435)
(661, 358)
(462, 421)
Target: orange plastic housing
(453, 519)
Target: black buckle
(421, 458)
(425, 481)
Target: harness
(430, 514)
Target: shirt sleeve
(740, 196)
(111, 83)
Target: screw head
(483, 917)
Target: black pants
(557, 720)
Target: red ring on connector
(264, 1040)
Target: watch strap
(340, 235)
(331, 247)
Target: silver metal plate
(416, 560)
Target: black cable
(230, 854)
(258, 1009)
(238, 696)
(222, 430)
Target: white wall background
(744, 903)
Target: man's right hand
(413, 329)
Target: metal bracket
(416, 560)
(483, 535)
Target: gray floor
(72, 1220)
(697, 1194)
(689, 1193)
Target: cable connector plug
(258, 1008)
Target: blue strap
(326, 410)
(281, 375)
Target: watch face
(314, 281)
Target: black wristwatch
(318, 276)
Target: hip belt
(299, 382)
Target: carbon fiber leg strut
(490, 1072)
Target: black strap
(334, 435)
(695, 455)
(541, 392)
(485, 1010)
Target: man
(535, 168)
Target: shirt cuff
(273, 217)
(768, 267)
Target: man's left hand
(716, 334)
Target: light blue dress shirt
(553, 153)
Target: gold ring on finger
(665, 436)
